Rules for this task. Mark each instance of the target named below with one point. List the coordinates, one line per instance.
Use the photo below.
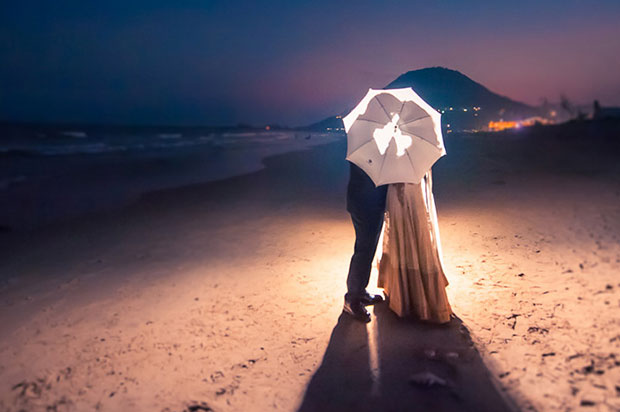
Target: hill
(464, 103)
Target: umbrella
(394, 136)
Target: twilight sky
(288, 62)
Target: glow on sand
(371, 327)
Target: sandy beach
(227, 296)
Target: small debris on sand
(427, 379)
(586, 402)
(197, 407)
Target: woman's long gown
(410, 269)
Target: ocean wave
(77, 133)
(240, 134)
(6, 152)
(186, 143)
(155, 141)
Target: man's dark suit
(366, 204)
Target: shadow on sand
(369, 368)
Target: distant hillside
(465, 103)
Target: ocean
(50, 172)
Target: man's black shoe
(369, 299)
(356, 309)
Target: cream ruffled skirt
(410, 268)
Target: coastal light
(501, 125)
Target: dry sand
(227, 296)
(535, 263)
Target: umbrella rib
(382, 164)
(410, 161)
(372, 121)
(420, 137)
(424, 140)
(371, 141)
(383, 107)
(402, 106)
(414, 120)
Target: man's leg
(367, 233)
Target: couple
(410, 269)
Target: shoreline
(67, 186)
(154, 204)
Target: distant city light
(503, 125)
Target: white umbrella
(394, 136)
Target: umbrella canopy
(394, 136)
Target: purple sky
(289, 62)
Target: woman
(410, 269)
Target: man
(366, 204)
